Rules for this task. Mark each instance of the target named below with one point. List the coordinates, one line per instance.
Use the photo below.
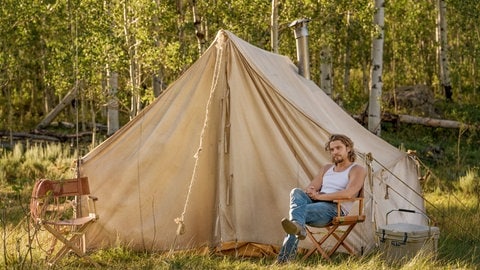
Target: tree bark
(432, 122)
(131, 45)
(326, 71)
(346, 76)
(274, 26)
(45, 136)
(67, 100)
(410, 119)
(157, 77)
(443, 52)
(198, 28)
(113, 124)
(157, 84)
(374, 117)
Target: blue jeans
(305, 212)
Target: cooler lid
(411, 230)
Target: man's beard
(337, 159)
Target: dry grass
(23, 247)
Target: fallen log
(432, 122)
(410, 119)
(67, 100)
(46, 136)
(25, 135)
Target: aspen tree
(374, 110)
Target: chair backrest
(45, 188)
(61, 188)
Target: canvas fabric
(221, 149)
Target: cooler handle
(408, 211)
(395, 243)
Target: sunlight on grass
(455, 212)
(24, 164)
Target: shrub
(470, 182)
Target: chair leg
(318, 243)
(345, 245)
(68, 245)
(340, 241)
(316, 248)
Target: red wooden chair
(53, 207)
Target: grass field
(455, 209)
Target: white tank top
(335, 181)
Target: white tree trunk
(112, 115)
(157, 77)
(157, 83)
(274, 26)
(326, 71)
(443, 50)
(130, 41)
(346, 76)
(94, 126)
(198, 28)
(374, 108)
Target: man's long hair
(346, 141)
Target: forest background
(49, 49)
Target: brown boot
(292, 227)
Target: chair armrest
(340, 201)
(347, 200)
(92, 208)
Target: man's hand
(310, 191)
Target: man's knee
(297, 192)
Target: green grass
(119, 258)
(453, 203)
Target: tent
(211, 162)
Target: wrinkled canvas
(221, 149)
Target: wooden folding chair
(55, 207)
(334, 228)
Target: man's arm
(357, 177)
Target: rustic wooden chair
(334, 229)
(53, 207)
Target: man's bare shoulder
(358, 167)
(358, 170)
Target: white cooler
(403, 241)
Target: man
(313, 205)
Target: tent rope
(368, 162)
(420, 163)
(403, 182)
(442, 212)
(181, 220)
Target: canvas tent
(220, 150)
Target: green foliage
(49, 47)
(447, 152)
(25, 164)
(470, 183)
(465, 110)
